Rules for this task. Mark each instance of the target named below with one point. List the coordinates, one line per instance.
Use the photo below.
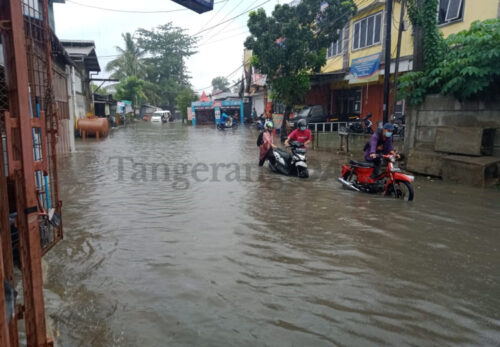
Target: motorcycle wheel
(404, 191)
(303, 173)
(349, 177)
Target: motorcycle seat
(360, 164)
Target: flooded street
(223, 253)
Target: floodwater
(224, 253)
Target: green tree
(292, 42)
(471, 63)
(183, 101)
(98, 89)
(131, 88)
(129, 62)
(464, 65)
(220, 83)
(167, 47)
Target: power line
(227, 25)
(231, 11)
(223, 39)
(230, 19)
(213, 17)
(232, 73)
(133, 11)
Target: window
(367, 31)
(450, 11)
(335, 47)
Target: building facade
(351, 82)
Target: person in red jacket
(301, 134)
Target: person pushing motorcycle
(267, 145)
(380, 143)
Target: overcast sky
(220, 50)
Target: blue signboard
(365, 67)
(198, 6)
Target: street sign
(198, 6)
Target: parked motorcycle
(399, 125)
(294, 164)
(392, 182)
(362, 125)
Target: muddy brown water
(158, 254)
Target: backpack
(260, 141)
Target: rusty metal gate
(29, 192)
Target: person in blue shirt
(226, 119)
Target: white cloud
(220, 50)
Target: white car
(156, 117)
(161, 116)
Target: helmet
(269, 125)
(302, 123)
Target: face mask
(269, 129)
(302, 128)
(388, 134)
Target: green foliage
(167, 47)
(183, 101)
(469, 67)
(156, 59)
(131, 88)
(98, 89)
(292, 43)
(220, 83)
(423, 14)
(129, 62)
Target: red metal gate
(28, 181)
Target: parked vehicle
(399, 125)
(294, 164)
(361, 125)
(392, 182)
(162, 116)
(312, 114)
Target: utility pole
(398, 54)
(387, 75)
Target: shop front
(210, 112)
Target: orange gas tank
(94, 126)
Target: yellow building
(361, 47)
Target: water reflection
(271, 260)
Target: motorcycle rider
(267, 145)
(380, 143)
(301, 134)
(226, 119)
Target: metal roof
(82, 51)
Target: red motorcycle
(392, 182)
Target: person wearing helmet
(301, 134)
(267, 142)
(380, 143)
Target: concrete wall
(440, 111)
(456, 123)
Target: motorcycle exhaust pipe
(348, 184)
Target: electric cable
(133, 11)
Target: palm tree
(129, 62)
